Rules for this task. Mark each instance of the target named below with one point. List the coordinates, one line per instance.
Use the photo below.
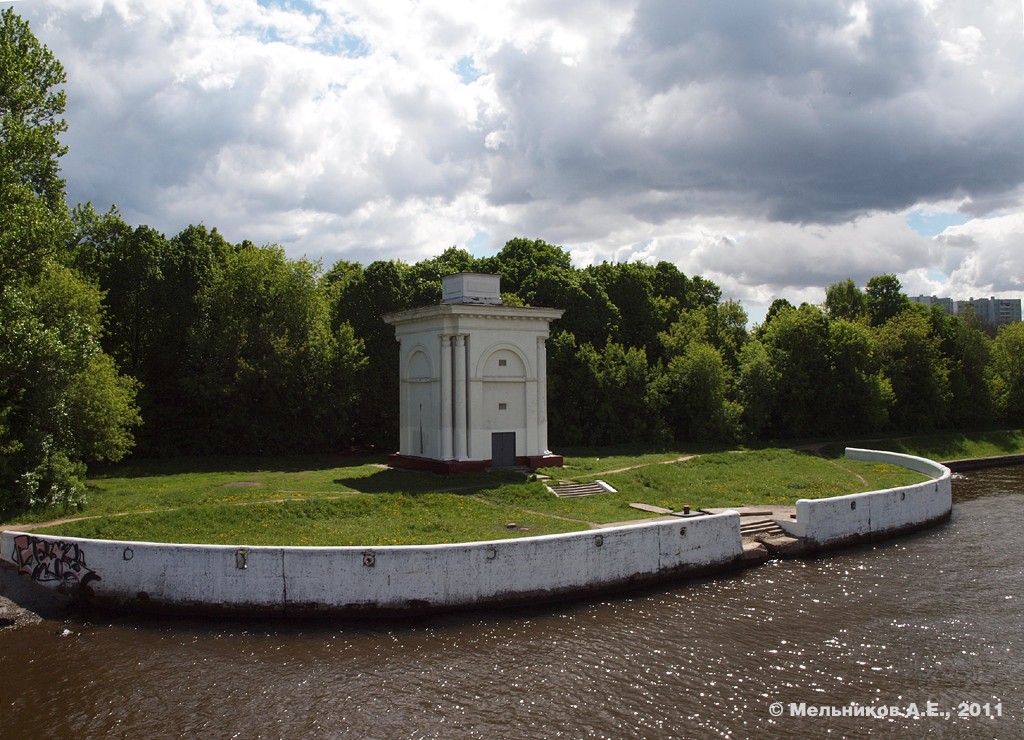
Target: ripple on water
(931, 617)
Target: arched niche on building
(473, 380)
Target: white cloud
(991, 258)
(772, 147)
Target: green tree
(860, 395)
(361, 300)
(425, 276)
(568, 383)
(93, 236)
(154, 327)
(341, 274)
(727, 322)
(885, 298)
(722, 325)
(844, 300)
(756, 389)
(967, 351)
(797, 341)
(969, 316)
(778, 306)
(650, 299)
(277, 378)
(701, 292)
(1008, 372)
(589, 314)
(695, 386)
(909, 356)
(188, 264)
(630, 287)
(682, 291)
(627, 405)
(33, 222)
(132, 278)
(31, 111)
(602, 397)
(691, 327)
(521, 258)
(62, 402)
(541, 274)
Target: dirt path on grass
(684, 458)
(15, 527)
(815, 449)
(28, 526)
(335, 495)
(306, 496)
(545, 514)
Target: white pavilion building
(473, 381)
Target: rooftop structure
(471, 288)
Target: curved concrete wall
(862, 516)
(296, 580)
(378, 579)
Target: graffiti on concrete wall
(51, 560)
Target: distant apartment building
(929, 300)
(992, 311)
(995, 311)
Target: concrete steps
(572, 490)
(761, 527)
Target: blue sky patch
(466, 71)
(480, 245)
(303, 6)
(354, 46)
(929, 224)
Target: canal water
(930, 624)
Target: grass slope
(344, 501)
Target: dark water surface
(936, 617)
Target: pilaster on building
(473, 380)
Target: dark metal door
(503, 449)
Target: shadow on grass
(405, 481)
(636, 449)
(953, 446)
(142, 468)
(942, 446)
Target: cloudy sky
(774, 147)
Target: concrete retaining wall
(288, 580)
(865, 516)
(980, 463)
(381, 580)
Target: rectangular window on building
(502, 406)
(502, 363)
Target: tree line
(116, 338)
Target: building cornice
(530, 313)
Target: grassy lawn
(769, 476)
(948, 445)
(361, 519)
(357, 501)
(588, 463)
